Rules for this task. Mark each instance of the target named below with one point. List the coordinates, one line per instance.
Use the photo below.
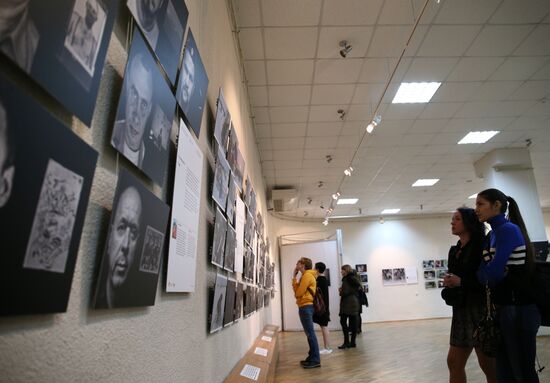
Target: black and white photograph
(387, 277)
(364, 277)
(238, 301)
(230, 244)
(218, 304)
(399, 275)
(430, 285)
(440, 263)
(85, 31)
(129, 271)
(429, 275)
(46, 173)
(231, 200)
(163, 24)
(235, 157)
(366, 287)
(428, 264)
(146, 109)
(218, 242)
(249, 229)
(221, 180)
(441, 273)
(62, 45)
(192, 85)
(151, 255)
(223, 119)
(361, 268)
(440, 283)
(53, 223)
(229, 312)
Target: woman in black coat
(349, 306)
(322, 320)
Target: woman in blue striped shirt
(508, 269)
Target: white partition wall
(321, 251)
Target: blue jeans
(516, 357)
(306, 317)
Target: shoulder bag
(487, 334)
(318, 302)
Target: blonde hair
(308, 264)
(347, 268)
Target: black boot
(352, 344)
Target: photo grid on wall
(434, 271)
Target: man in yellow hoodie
(303, 291)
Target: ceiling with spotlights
(310, 104)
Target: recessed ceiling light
(478, 137)
(426, 182)
(347, 201)
(472, 196)
(390, 211)
(415, 92)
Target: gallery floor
(391, 352)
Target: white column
(511, 171)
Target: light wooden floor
(400, 352)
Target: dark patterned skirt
(465, 321)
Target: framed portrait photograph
(46, 173)
(218, 242)
(217, 311)
(238, 302)
(221, 126)
(221, 180)
(62, 45)
(129, 271)
(145, 113)
(229, 311)
(163, 24)
(192, 85)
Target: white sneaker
(325, 351)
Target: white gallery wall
(395, 243)
(168, 342)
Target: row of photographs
(434, 284)
(230, 299)
(62, 45)
(430, 264)
(46, 177)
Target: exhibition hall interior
(166, 165)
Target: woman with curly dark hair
(349, 306)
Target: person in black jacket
(349, 306)
(466, 295)
(322, 320)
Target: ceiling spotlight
(370, 128)
(328, 157)
(346, 48)
(309, 200)
(348, 171)
(306, 213)
(325, 222)
(320, 184)
(336, 195)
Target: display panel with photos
(218, 304)
(62, 45)
(146, 109)
(192, 85)
(221, 126)
(46, 173)
(132, 258)
(163, 23)
(221, 180)
(218, 242)
(229, 311)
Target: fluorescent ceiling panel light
(390, 211)
(478, 137)
(472, 196)
(425, 182)
(347, 201)
(415, 92)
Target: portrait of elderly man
(136, 109)
(85, 31)
(7, 166)
(19, 36)
(147, 14)
(121, 249)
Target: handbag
(487, 334)
(363, 300)
(318, 302)
(453, 296)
